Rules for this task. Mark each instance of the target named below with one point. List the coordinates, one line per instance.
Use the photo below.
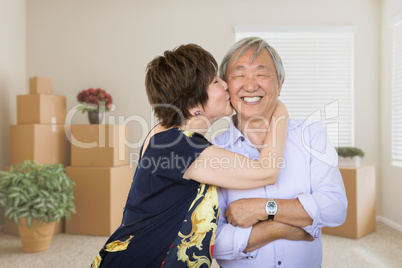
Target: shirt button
(279, 262)
(242, 138)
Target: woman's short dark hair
(178, 81)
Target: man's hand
(246, 212)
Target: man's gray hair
(256, 44)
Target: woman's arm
(223, 168)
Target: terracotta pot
(35, 239)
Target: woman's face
(218, 104)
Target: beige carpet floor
(380, 249)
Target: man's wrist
(263, 215)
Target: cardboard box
(100, 196)
(11, 228)
(41, 109)
(45, 144)
(360, 188)
(40, 85)
(98, 145)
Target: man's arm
(247, 212)
(265, 232)
(325, 205)
(234, 242)
(230, 241)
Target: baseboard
(390, 223)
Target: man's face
(253, 86)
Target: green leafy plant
(44, 192)
(349, 152)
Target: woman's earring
(197, 113)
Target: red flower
(91, 98)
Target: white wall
(101, 43)
(391, 176)
(12, 70)
(92, 43)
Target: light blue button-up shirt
(309, 173)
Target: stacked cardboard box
(103, 178)
(39, 134)
(361, 194)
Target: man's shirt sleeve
(230, 241)
(326, 203)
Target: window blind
(397, 94)
(318, 63)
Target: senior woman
(171, 214)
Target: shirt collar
(293, 124)
(235, 133)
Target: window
(318, 62)
(397, 92)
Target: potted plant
(35, 197)
(96, 102)
(349, 156)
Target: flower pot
(95, 117)
(349, 161)
(35, 239)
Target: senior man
(278, 225)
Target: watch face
(271, 205)
(271, 208)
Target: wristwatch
(271, 208)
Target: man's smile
(250, 99)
